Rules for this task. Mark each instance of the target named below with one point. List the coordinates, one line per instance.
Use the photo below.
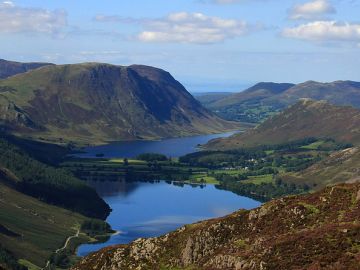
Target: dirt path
(63, 247)
(68, 241)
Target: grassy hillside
(339, 167)
(34, 229)
(11, 68)
(316, 231)
(96, 103)
(305, 119)
(266, 99)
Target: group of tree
(51, 185)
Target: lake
(143, 209)
(173, 147)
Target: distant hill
(11, 68)
(307, 118)
(265, 99)
(96, 103)
(257, 92)
(315, 231)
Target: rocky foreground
(315, 231)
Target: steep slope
(99, 102)
(339, 167)
(307, 118)
(316, 231)
(55, 186)
(10, 68)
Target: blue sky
(208, 45)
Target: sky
(208, 45)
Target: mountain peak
(273, 87)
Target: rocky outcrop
(316, 231)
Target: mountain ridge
(103, 102)
(259, 102)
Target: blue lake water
(173, 147)
(146, 210)
(152, 209)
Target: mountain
(265, 99)
(96, 103)
(11, 68)
(315, 231)
(307, 118)
(338, 93)
(255, 93)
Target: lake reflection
(152, 209)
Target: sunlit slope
(305, 119)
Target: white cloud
(185, 27)
(325, 31)
(311, 10)
(192, 28)
(16, 19)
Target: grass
(203, 178)
(131, 161)
(313, 209)
(43, 228)
(259, 179)
(313, 146)
(29, 265)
